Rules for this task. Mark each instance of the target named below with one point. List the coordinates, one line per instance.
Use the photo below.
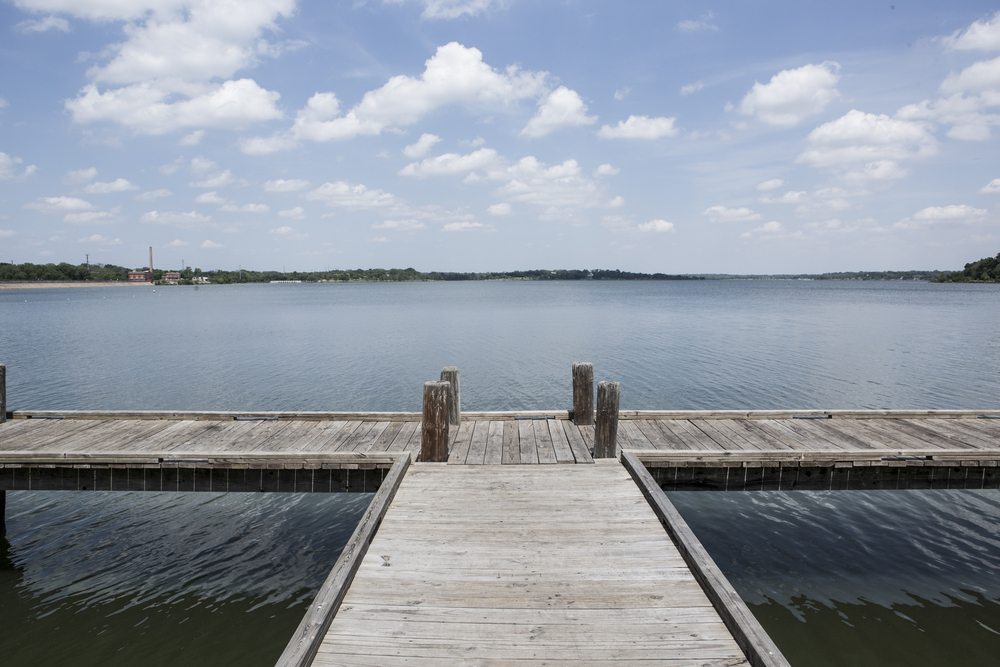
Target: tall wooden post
(434, 427)
(3, 393)
(583, 393)
(450, 374)
(606, 428)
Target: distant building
(140, 276)
(171, 276)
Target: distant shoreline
(56, 284)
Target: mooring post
(3, 393)
(450, 374)
(606, 428)
(583, 393)
(434, 427)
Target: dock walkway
(501, 565)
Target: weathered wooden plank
(511, 443)
(560, 443)
(526, 442)
(543, 441)
(581, 451)
(494, 444)
(477, 447)
(460, 448)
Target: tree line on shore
(986, 270)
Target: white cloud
(117, 185)
(639, 127)
(772, 184)
(246, 208)
(8, 167)
(190, 219)
(556, 188)
(80, 176)
(451, 163)
(691, 88)
(282, 185)
(7, 233)
(342, 193)
(474, 143)
(201, 164)
(724, 214)
(43, 25)
(864, 137)
(450, 9)
(992, 187)
(790, 197)
(154, 194)
(792, 95)
(192, 139)
(286, 232)
(455, 74)
(297, 213)
(656, 226)
(561, 109)
(91, 218)
(422, 146)
(380, 239)
(219, 180)
(172, 167)
(621, 93)
(983, 35)
(616, 202)
(467, 227)
(177, 243)
(606, 170)
(880, 170)
(142, 108)
(499, 209)
(210, 198)
(703, 23)
(211, 245)
(946, 214)
(400, 225)
(102, 240)
(59, 204)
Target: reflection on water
(862, 577)
(95, 578)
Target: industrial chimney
(150, 259)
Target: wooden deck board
(509, 566)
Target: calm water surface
(905, 578)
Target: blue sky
(463, 135)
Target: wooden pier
(505, 538)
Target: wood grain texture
(583, 393)
(606, 420)
(499, 565)
(434, 424)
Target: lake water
(907, 578)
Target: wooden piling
(434, 425)
(606, 428)
(583, 393)
(3, 393)
(450, 374)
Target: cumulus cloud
(983, 35)
(400, 225)
(60, 204)
(790, 197)
(556, 189)
(724, 214)
(286, 232)
(691, 88)
(192, 139)
(943, 214)
(656, 226)
(771, 228)
(189, 219)
(793, 95)
(43, 25)
(467, 227)
(500, 209)
(78, 176)
(211, 245)
(159, 78)
(451, 163)
(422, 146)
(455, 74)
(561, 109)
(297, 213)
(117, 185)
(348, 195)
(606, 170)
(246, 208)
(858, 137)
(772, 184)
(219, 180)
(91, 218)
(8, 167)
(154, 194)
(992, 187)
(102, 240)
(639, 127)
(7, 233)
(281, 185)
(969, 95)
(879, 170)
(210, 198)
(177, 243)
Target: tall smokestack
(150, 258)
